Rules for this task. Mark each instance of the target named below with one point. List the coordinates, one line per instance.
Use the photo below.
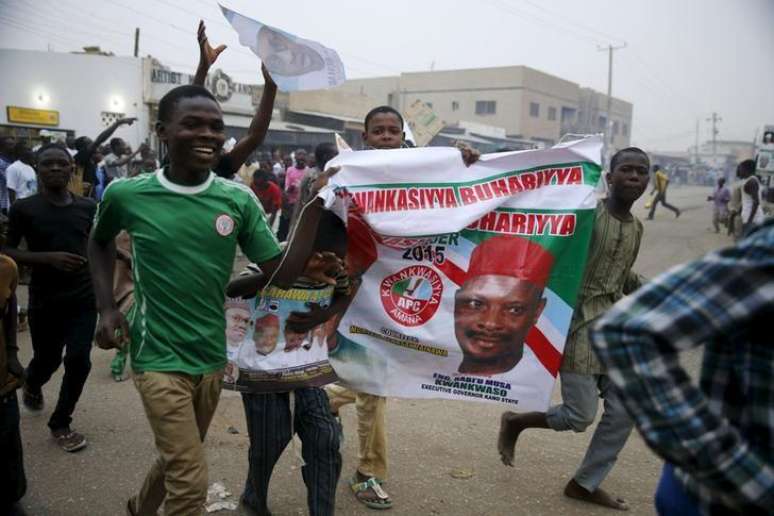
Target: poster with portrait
(263, 356)
(294, 63)
(469, 274)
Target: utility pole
(696, 146)
(714, 119)
(137, 42)
(608, 135)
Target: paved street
(431, 442)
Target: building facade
(527, 103)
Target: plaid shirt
(719, 434)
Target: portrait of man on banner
(499, 302)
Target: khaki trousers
(372, 452)
(180, 408)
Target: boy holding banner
(608, 277)
(383, 130)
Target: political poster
(469, 275)
(423, 123)
(294, 63)
(263, 356)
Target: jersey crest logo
(224, 225)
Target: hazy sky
(684, 59)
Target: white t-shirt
(22, 179)
(112, 170)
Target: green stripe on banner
(570, 252)
(591, 174)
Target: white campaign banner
(294, 63)
(469, 274)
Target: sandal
(371, 486)
(68, 440)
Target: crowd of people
(99, 225)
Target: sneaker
(68, 440)
(32, 400)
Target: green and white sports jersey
(183, 246)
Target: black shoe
(32, 400)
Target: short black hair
(169, 101)
(324, 152)
(115, 141)
(82, 143)
(747, 166)
(632, 150)
(383, 109)
(53, 145)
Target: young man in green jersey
(185, 224)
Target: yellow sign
(22, 115)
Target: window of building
(615, 126)
(625, 129)
(552, 113)
(601, 123)
(455, 105)
(534, 109)
(486, 107)
(568, 114)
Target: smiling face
(286, 57)
(194, 133)
(492, 316)
(55, 166)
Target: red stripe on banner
(548, 355)
(454, 273)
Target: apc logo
(412, 295)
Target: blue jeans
(671, 497)
(269, 427)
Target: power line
(554, 13)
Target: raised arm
(207, 55)
(258, 127)
(107, 133)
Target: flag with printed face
(468, 275)
(294, 63)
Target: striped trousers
(270, 430)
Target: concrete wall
(79, 86)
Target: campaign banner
(469, 275)
(263, 356)
(294, 63)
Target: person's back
(719, 435)
(752, 199)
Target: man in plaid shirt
(718, 435)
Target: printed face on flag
(492, 316)
(295, 63)
(237, 323)
(285, 56)
(266, 334)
